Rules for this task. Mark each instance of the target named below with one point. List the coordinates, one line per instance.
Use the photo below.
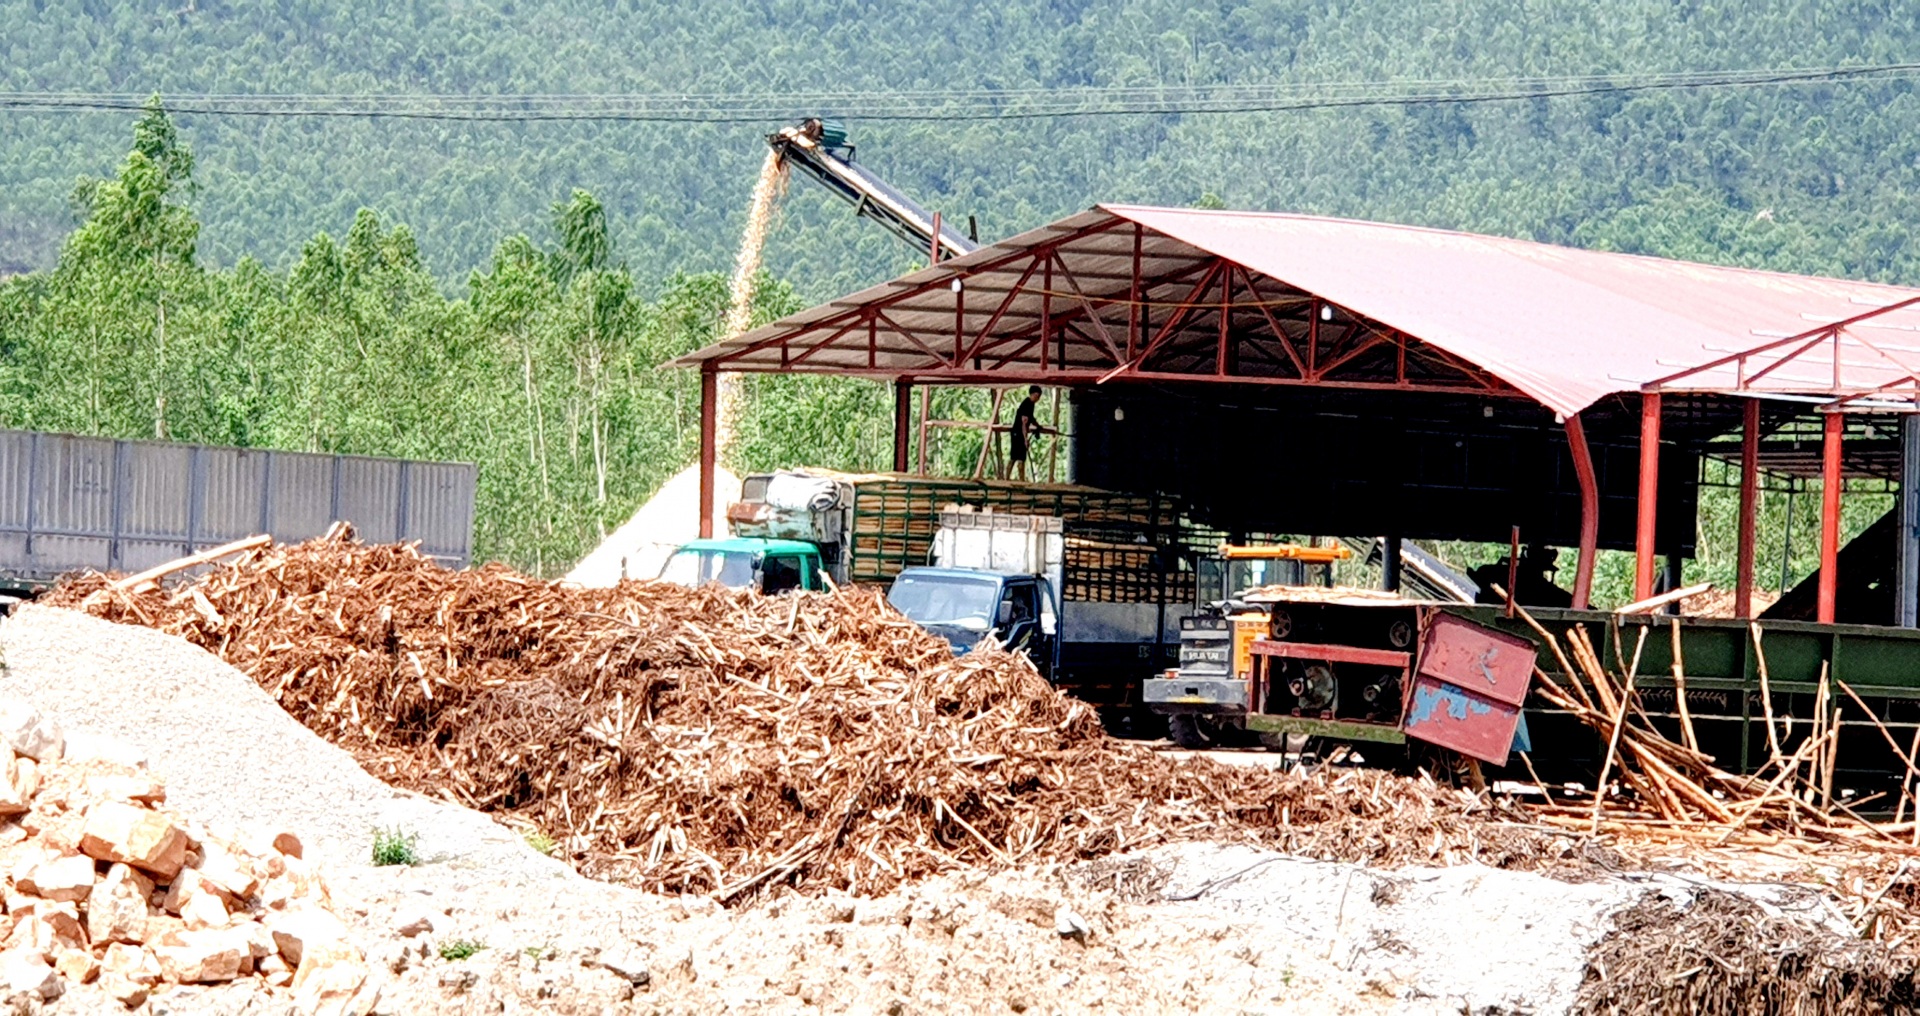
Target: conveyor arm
(818, 149)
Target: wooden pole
(1830, 483)
(1649, 500)
(902, 422)
(709, 399)
(1749, 509)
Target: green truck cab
(740, 562)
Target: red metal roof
(1561, 325)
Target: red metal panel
(1469, 688)
(1449, 716)
(1492, 664)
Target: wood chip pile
(724, 743)
(1724, 955)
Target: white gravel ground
(1238, 930)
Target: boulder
(130, 962)
(27, 972)
(333, 980)
(65, 879)
(77, 965)
(201, 957)
(298, 931)
(117, 907)
(222, 866)
(25, 730)
(129, 834)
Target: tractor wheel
(1191, 731)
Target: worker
(1534, 579)
(1024, 427)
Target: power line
(959, 105)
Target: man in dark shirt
(1024, 427)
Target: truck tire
(1190, 731)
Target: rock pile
(107, 892)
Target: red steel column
(1649, 500)
(1589, 511)
(902, 422)
(1830, 484)
(1749, 508)
(709, 397)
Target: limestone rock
(412, 925)
(130, 962)
(27, 972)
(25, 730)
(77, 965)
(64, 879)
(224, 868)
(201, 957)
(133, 835)
(299, 931)
(117, 907)
(333, 980)
(128, 993)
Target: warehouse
(1301, 374)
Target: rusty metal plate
(1476, 659)
(1452, 717)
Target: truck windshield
(946, 599)
(730, 568)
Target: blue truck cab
(770, 566)
(965, 605)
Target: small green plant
(395, 846)
(540, 841)
(460, 948)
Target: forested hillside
(502, 291)
(1679, 172)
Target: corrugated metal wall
(71, 502)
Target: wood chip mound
(1723, 955)
(721, 742)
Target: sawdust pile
(722, 742)
(1724, 954)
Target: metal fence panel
(69, 503)
(232, 496)
(299, 495)
(439, 507)
(369, 493)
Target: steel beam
(1831, 481)
(1907, 578)
(1749, 509)
(709, 417)
(1589, 511)
(1390, 563)
(1649, 499)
